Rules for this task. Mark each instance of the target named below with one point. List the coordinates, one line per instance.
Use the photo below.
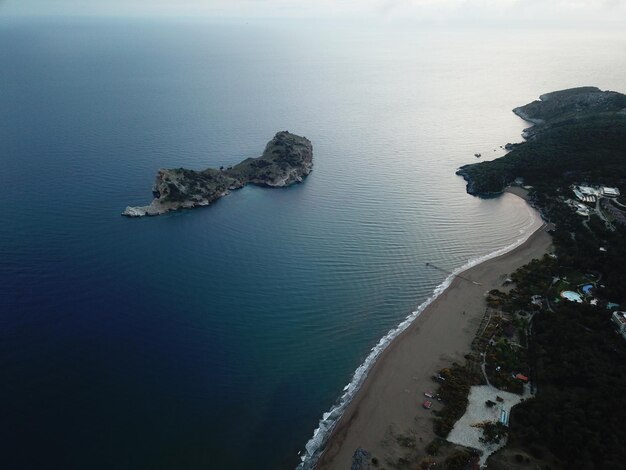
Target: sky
(572, 12)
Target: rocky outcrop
(563, 105)
(287, 159)
(475, 188)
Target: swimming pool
(571, 296)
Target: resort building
(581, 209)
(586, 193)
(619, 318)
(609, 192)
(592, 194)
(584, 197)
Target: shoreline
(387, 402)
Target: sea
(230, 337)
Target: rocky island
(287, 159)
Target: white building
(591, 194)
(619, 318)
(585, 193)
(581, 209)
(609, 192)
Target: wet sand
(518, 191)
(389, 401)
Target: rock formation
(287, 159)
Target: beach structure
(619, 318)
(504, 417)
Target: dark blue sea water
(217, 338)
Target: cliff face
(287, 159)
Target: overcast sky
(559, 11)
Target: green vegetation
(558, 157)
(493, 433)
(577, 359)
(181, 184)
(433, 447)
(578, 362)
(461, 460)
(406, 441)
(503, 359)
(565, 105)
(453, 392)
(282, 154)
(578, 413)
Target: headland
(577, 135)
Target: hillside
(579, 135)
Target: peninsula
(287, 159)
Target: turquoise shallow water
(218, 337)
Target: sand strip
(389, 401)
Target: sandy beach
(389, 402)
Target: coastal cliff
(577, 134)
(287, 159)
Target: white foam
(315, 446)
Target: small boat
(477, 155)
